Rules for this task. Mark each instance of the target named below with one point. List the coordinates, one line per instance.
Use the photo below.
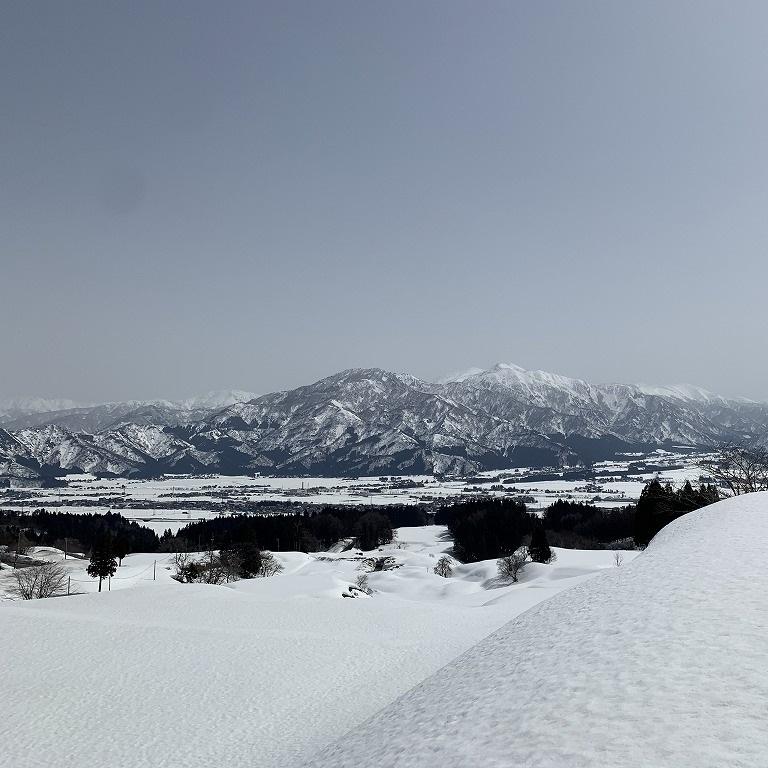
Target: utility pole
(66, 547)
(69, 579)
(18, 545)
(154, 571)
(109, 584)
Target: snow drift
(658, 663)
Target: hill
(657, 663)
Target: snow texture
(660, 662)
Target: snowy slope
(658, 663)
(261, 673)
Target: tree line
(488, 528)
(311, 530)
(79, 532)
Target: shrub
(40, 581)
(444, 567)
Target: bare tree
(510, 566)
(269, 565)
(738, 468)
(39, 581)
(362, 583)
(618, 558)
(444, 567)
(187, 570)
(231, 564)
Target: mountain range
(371, 421)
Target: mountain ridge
(364, 421)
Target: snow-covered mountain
(35, 412)
(18, 407)
(371, 421)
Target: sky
(199, 196)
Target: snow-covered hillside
(658, 663)
(264, 672)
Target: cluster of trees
(40, 579)
(77, 532)
(660, 504)
(486, 528)
(307, 531)
(241, 561)
(575, 525)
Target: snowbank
(661, 662)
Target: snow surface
(661, 662)
(263, 672)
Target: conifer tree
(103, 563)
(120, 547)
(538, 549)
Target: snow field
(261, 672)
(660, 662)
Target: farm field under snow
(174, 501)
(261, 672)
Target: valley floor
(261, 672)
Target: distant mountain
(95, 418)
(16, 407)
(217, 399)
(371, 421)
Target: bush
(444, 567)
(362, 584)
(40, 581)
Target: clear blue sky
(199, 195)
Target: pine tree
(103, 563)
(538, 549)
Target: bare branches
(738, 468)
(269, 565)
(39, 581)
(444, 567)
(510, 566)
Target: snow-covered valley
(260, 672)
(173, 501)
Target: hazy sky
(200, 195)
